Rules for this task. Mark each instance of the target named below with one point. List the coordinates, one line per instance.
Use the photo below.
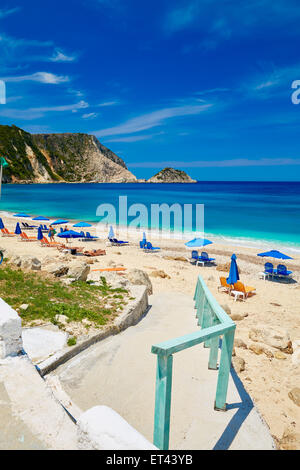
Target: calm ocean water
(246, 211)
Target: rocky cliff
(170, 175)
(46, 158)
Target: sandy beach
(275, 305)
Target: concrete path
(120, 372)
(30, 416)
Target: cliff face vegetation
(170, 175)
(42, 158)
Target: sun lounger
(142, 244)
(240, 290)
(223, 285)
(204, 258)
(28, 227)
(194, 257)
(116, 242)
(45, 242)
(6, 233)
(149, 248)
(25, 238)
(282, 271)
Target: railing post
(224, 369)
(163, 401)
(206, 320)
(214, 349)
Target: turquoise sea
(243, 211)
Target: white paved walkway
(120, 372)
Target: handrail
(214, 323)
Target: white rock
(277, 338)
(24, 306)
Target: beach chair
(119, 242)
(240, 290)
(46, 228)
(223, 285)
(25, 238)
(45, 242)
(204, 258)
(28, 227)
(142, 244)
(282, 271)
(92, 237)
(6, 233)
(149, 248)
(194, 257)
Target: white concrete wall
(10, 331)
(101, 428)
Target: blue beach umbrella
(40, 217)
(82, 224)
(197, 242)
(111, 232)
(18, 230)
(69, 234)
(274, 254)
(234, 272)
(21, 215)
(60, 221)
(40, 235)
(1, 224)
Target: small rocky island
(170, 175)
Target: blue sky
(204, 86)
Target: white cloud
(38, 112)
(89, 116)
(41, 77)
(4, 12)
(108, 103)
(59, 56)
(153, 119)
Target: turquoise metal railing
(215, 323)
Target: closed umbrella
(234, 272)
(18, 230)
(1, 224)
(144, 238)
(111, 232)
(40, 235)
(274, 254)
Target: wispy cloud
(153, 119)
(4, 12)
(12, 42)
(108, 103)
(134, 138)
(60, 56)
(41, 77)
(39, 112)
(238, 162)
(89, 116)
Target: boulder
(79, 271)
(63, 319)
(140, 278)
(238, 363)
(161, 274)
(280, 355)
(57, 269)
(238, 316)
(16, 260)
(259, 348)
(294, 395)
(277, 338)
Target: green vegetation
(47, 298)
(72, 341)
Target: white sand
(267, 380)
